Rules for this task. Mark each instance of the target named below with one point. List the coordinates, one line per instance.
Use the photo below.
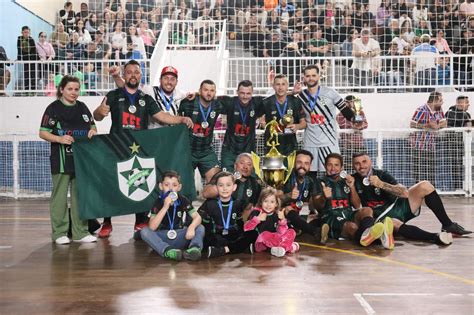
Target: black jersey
(212, 216)
(182, 213)
(307, 188)
(241, 123)
(60, 119)
(270, 224)
(130, 111)
(204, 120)
(248, 191)
(273, 110)
(371, 196)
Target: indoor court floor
(122, 276)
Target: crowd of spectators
(270, 28)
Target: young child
(269, 220)
(65, 120)
(223, 220)
(174, 230)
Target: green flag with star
(117, 174)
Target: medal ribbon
(204, 114)
(278, 106)
(243, 113)
(226, 222)
(131, 97)
(300, 188)
(312, 104)
(175, 205)
(164, 99)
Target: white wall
(384, 111)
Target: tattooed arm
(396, 190)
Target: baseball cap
(169, 70)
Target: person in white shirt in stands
(366, 64)
(424, 57)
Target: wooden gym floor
(122, 276)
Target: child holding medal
(270, 222)
(174, 230)
(222, 218)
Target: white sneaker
(63, 240)
(87, 239)
(445, 238)
(278, 251)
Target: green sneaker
(174, 254)
(192, 253)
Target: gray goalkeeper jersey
(321, 130)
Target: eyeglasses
(42, 36)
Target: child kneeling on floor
(174, 231)
(270, 222)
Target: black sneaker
(192, 253)
(455, 228)
(215, 252)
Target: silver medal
(299, 204)
(132, 109)
(343, 174)
(237, 175)
(366, 181)
(171, 234)
(174, 196)
(225, 232)
(205, 124)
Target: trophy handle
(256, 165)
(291, 164)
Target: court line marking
(395, 262)
(48, 219)
(5, 247)
(365, 305)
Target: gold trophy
(273, 171)
(357, 109)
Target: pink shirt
(45, 50)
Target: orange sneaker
(105, 230)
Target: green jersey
(371, 196)
(241, 123)
(204, 120)
(130, 111)
(341, 195)
(274, 110)
(307, 188)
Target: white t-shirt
(365, 63)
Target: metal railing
(25, 166)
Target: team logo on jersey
(377, 191)
(340, 218)
(234, 215)
(51, 122)
(347, 189)
(360, 191)
(141, 103)
(252, 113)
(290, 112)
(249, 192)
(121, 99)
(305, 193)
(136, 177)
(195, 113)
(213, 114)
(86, 118)
(180, 214)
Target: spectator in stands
(120, 17)
(131, 6)
(457, 115)
(285, 10)
(92, 24)
(463, 65)
(118, 39)
(253, 33)
(443, 71)
(68, 17)
(4, 72)
(330, 33)
(466, 9)
(59, 40)
(295, 48)
(137, 17)
(365, 65)
(74, 49)
(148, 37)
(84, 14)
(318, 46)
(135, 48)
(286, 34)
(46, 54)
(26, 49)
(420, 12)
(99, 50)
(423, 28)
(429, 117)
(424, 57)
(350, 143)
(383, 14)
(90, 78)
(109, 22)
(347, 46)
(84, 36)
(392, 68)
(436, 14)
(113, 6)
(346, 29)
(406, 32)
(274, 46)
(441, 44)
(156, 22)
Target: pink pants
(269, 240)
